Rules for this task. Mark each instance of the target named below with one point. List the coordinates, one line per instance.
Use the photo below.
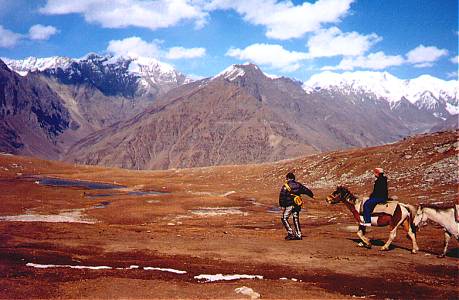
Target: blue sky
(407, 38)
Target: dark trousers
(368, 207)
(295, 212)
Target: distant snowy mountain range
(428, 93)
(113, 75)
(139, 76)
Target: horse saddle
(385, 208)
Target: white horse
(441, 214)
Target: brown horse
(404, 214)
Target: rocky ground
(128, 242)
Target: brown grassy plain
(224, 220)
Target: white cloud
(180, 52)
(455, 59)
(133, 47)
(274, 56)
(284, 20)
(333, 42)
(136, 47)
(124, 13)
(423, 56)
(374, 61)
(8, 39)
(41, 32)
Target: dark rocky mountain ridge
(96, 91)
(33, 117)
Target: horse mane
(344, 189)
(439, 204)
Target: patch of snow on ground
(41, 266)
(72, 216)
(165, 270)
(220, 277)
(131, 267)
(228, 193)
(218, 211)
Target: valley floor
(205, 221)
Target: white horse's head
(420, 219)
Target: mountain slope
(99, 91)
(32, 116)
(238, 116)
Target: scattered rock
(248, 292)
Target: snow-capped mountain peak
(34, 64)
(231, 73)
(235, 71)
(426, 92)
(113, 75)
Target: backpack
(296, 199)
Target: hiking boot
(298, 238)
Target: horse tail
(412, 210)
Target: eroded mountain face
(238, 116)
(33, 117)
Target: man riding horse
(379, 195)
(392, 214)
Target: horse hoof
(414, 251)
(384, 249)
(441, 256)
(363, 245)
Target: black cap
(290, 176)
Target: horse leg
(396, 221)
(447, 238)
(392, 235)
(361, 233)
(411, 235)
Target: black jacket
(380, 188)
(286, 198)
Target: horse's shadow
(453, 252)
(380, 243)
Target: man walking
(290, 200)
